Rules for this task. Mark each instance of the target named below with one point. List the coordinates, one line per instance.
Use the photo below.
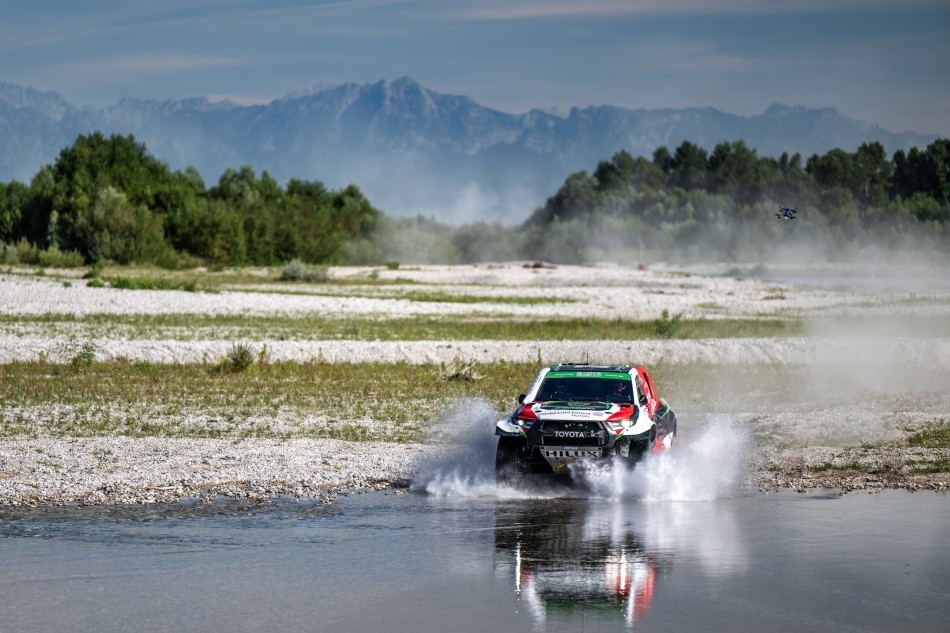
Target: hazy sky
(883, 61)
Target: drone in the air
(786, 214)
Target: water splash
(708, 466)
(466, 468)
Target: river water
(433, 562)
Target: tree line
(108, 200)
(720, 204)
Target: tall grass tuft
(457, 371)
(238, 359)
(666, 326)
(83, 358)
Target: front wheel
(632, 451)
(509, 463)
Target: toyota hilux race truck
(574, 412)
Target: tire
(509, 463)
(636, 451)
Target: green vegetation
(428, 296)
(239, 358)
(417, 328)
(161, 283)
(939, 465)
(692, 204)
(934, 435)
(264, 399)
(108, 200)
(296, 270)
(667, 326)
(855, 467)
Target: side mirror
(521, 398)
(643, 400)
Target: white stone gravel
(601, 292)
(38, 471)
(928, 352)
(45, 470)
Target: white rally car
(574, 412)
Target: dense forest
(108, 200)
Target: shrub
(8, 254)
(296, 270)
(116, 229)
(27, 253)
(666, 326)
(52, 257)
(94, 271)
(84, 357)
(238, 358)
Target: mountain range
(411, 150)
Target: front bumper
(558, 457)
(551, 445)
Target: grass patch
(444, 297)
(934, 435)
(666, 326)
(849, 467)
(318, 327)
(162, 283)
(217, 278)
(939, 465)
(238, 359)
(273, 400)
(380, 291)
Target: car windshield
(610, 389)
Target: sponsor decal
(589, 374)
(587, 415)
(576, 434)
(570, 452)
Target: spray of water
(466, 467)
(707, 466)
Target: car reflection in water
(574, 555)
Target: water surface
(410, 562)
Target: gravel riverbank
(92, 471)
(119, 470)
(98, 470)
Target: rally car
(574, 412)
